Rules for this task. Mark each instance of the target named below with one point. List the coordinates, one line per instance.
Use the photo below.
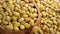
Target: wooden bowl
(26, 31)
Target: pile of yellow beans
(17, 14)
(50, 19)
(20, 14)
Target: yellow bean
(22, 27)
(34, 19)
(27, 25)
(8, 18)
(9, 27)
(35, 29)
(16, 24)
(21, 20)
(14, 18)
(16, 14)
(31, 22)
(22, 12)
(27, 19)
(5, 22)
(16, 28)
